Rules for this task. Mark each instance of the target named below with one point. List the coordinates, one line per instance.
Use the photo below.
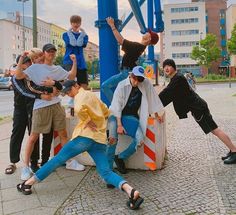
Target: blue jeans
(108, 87)
(76, 146)
(111, 148)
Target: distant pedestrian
(76, 40)
(88, 136)
(132, 51)
(186, 100)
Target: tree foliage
(207, 52)
(59, 60)
(231, 44)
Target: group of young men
(133, 100)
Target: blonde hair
(34, 52)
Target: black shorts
(81, 75)
(205, 121)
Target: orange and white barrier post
(149, 145)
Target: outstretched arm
(118, 36)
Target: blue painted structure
(108, 53)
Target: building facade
(216, 24)
(185, 26)
(11, 43)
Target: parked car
(5, 83)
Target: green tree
(59, 60)
(207, 52)
(231, 43)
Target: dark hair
(139, 78)
(75, 19)
(169, 62)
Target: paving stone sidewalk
(194, 180)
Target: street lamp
(23, 21)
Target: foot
(10, 169)
(120, 165)
(26, 173)
(74, 165)
(25, 189)
(226, 156)
(231, 159)
(110, 186)
(134, 200)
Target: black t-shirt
(133, 104)
(183, 97)
(132, 51)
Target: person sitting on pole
(134, 97)
(186, 100)
(88, 136)
(132, 51)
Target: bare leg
(224, 138)
(63, 136)
(29, 147)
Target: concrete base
(137, 160)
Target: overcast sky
(59, 12)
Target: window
(184, 32)
(181, 55)
(183, 9)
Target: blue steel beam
(159, 26)
(108, 47)
(130, 16)
(150, 25)
(138, 15)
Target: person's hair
(169, 62)
(75, 19)
(34, 52)
(139, 78)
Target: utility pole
(23, 21)
(35, 35)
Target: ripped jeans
(108, 87)
(130, 150)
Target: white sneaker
(74, 165)
(26, 173)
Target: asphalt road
(6, 97)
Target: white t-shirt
(40, 72)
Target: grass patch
(234, 95)
(94, 84)
(4, 119)
(214, 78)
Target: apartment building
(216, 24)
(11, 43)
(231, 21)
(185, 26)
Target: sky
(59, 12)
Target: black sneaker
(231, 159)
(120, 165)
(110, 186)
(226, 156)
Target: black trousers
(21, 120)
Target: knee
(63, 134)
(112, 140)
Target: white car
(5, 83)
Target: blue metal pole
(150, 25)
(159, 26)
(108, 47)
(130, 16)
(138, 14)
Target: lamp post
(23, 21)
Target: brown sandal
(10, 169)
